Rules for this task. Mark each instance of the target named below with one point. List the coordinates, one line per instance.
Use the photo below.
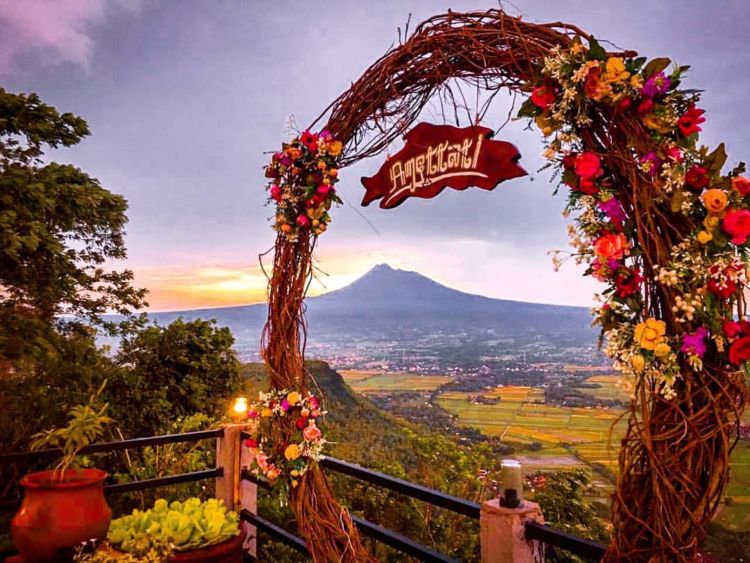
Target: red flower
(587, 186)
(739, 351)
(697, 177)
(645, 106)
(276, 193)
(624, 104)
(250, 443)
(732, 329)
(591, 85)
(588, 165)
(689, 121)
(628, 283)
(301, 423)
(543, 97)
(724, 290)
(737, 225)
(611, 246)
(742, 185)
(569, 160)
(303, 221)
(310, 140)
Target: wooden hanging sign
(436, 157)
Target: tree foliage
(173, 371)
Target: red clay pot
(57, 515)
(229, 551)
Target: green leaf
(596, 51)
(716, 160)
(655, 66)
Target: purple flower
(285, 405)
(613, 264)
(612, 209)
(657, 85)
(285, 161)
(695, 344)
(652, 163)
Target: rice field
(368, 382)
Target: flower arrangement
(705, 270)
(176, 526)
(302, 179)
(293, 458)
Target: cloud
(56, 31)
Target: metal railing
(545, 534)
(533, 531)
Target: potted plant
(179, 532)
(64, 506)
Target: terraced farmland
(376, 382)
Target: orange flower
(611, 246)
(715, 201)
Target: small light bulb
(239, 408)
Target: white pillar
(248, 501)
(502, 533)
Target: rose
(662, 349)
(272, 474)
(645, 107)
(650, 333)
(543, 97)
(715, 201)
(737, 225)
(250, 443)
(742, 185)
(613, 245)
(335, 148)
(311, 433)
(588, 165)
(301, 422)
(739, 351)
(732, 329)
(303, 221)
(697, 177)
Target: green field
(378, 382)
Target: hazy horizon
(184, 103)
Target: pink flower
(737, 225)
(303, 221)
(323, 190)
(695, 344)
(312, 432)
(275, 192)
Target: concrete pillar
(502, 533)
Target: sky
(185, 98)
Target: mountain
(388, 304)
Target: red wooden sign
(436, 157)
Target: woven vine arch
(674, 458)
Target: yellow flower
(294, 473)
(292, 452)
(334, 149)
(662, 349)
(615, 70)
(544, 124)
(657, 123)
(266, 412)
(715, 201)
(650, 333)
(577, 48)
(705, 237)
(293, 398)
(294, 483)
(711, 222)
(638, 362)
(636, 82)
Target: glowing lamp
(238, 412)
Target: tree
(173, 371)
(58, 226)
(59, 229)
